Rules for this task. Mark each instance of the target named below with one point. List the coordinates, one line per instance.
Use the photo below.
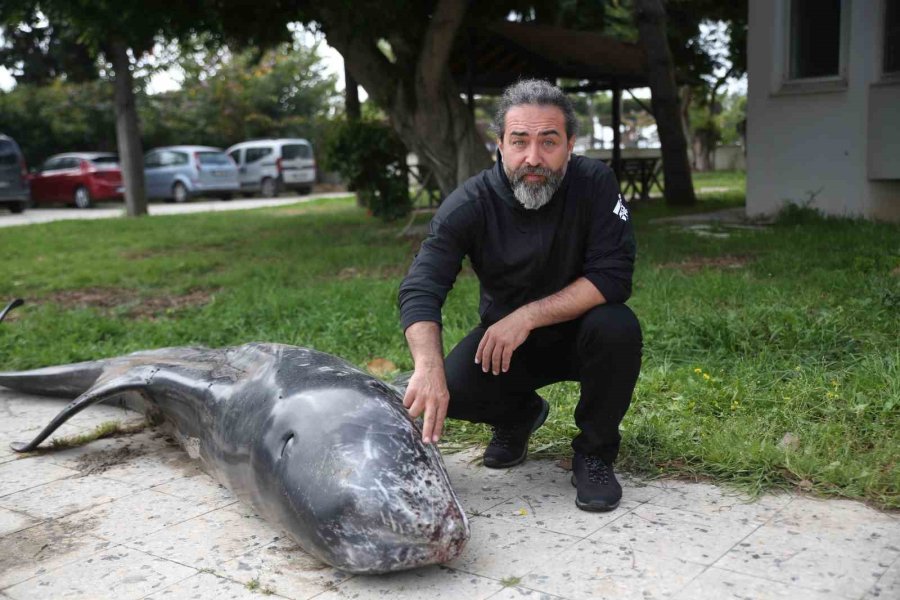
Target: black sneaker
(598, 489)
(509, 446)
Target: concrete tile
(285, 569)
(205, 586)
(719, 584)
(870, 532)
(135, 516)
(545, 508)
(43, 548)
(888, 585)
(718, 501)
(27, 473)
(674, 533)
(480, 488)
(65, 496)
(209, 540)
(116, 574)
(822, 561)
(199, 488)
(12, 521)
(596, 571)
(434, 583)
(499, 549)
(520, 593)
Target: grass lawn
(771, 355)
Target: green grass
(794, 331)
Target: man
(551, 243)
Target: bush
(371, 157)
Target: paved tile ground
(133, 517)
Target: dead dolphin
(313, 444)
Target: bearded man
(549, 238)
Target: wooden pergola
(488, 58)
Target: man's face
(535, 152)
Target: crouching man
(550, 240)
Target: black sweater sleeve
(438, 262)
(610, 251)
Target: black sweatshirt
(522, 255)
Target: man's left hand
(500, 341)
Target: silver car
(14, 188)
(181, 172)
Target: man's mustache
(520, 173)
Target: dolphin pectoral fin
(131, 381)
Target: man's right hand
(427, 393)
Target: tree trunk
(651, 22)
(422, 100)
(351, 96)
(128, 133)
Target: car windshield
(296, 151)
(213, 158)
(106, 161)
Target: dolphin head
(356, 482)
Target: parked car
(269, 166)
(79, 178)
(180, 172)
(14, 188)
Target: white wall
(809, 141)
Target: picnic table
(637, 175)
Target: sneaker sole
(592, 507)
(545, 410)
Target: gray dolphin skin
(313, 444)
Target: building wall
(810, 142)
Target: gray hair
(533, 91)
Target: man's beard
(534, 195)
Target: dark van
(14, 190)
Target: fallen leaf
(381, 367)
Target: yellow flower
(706, 376)
(698, 370)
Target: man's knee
(609, 327)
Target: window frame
(827, 83)
(885, 76)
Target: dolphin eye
(288, 439)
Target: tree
(651, 21)
(120, 34)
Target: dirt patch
(98, 462)
(696, 263)
(895, 271)
(329, 188)
(25, 552)
(108, 300)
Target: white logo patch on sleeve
(620, 209)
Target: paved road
(109, 210)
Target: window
(815, 38)
(69, 163)
(891, 37)
(106, 161)
(235, 156)
(254, 154)
(8, 154)
(151, 160)
(213, 158)
(296, 151)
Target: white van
(267, 167)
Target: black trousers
(601, 350)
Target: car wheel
(268, 188)
(18, 207)
(82, 197)
(305, 190)
(225, 197)
(180, 192)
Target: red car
(79, 178)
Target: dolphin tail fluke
(65, 381)
(132, 381)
